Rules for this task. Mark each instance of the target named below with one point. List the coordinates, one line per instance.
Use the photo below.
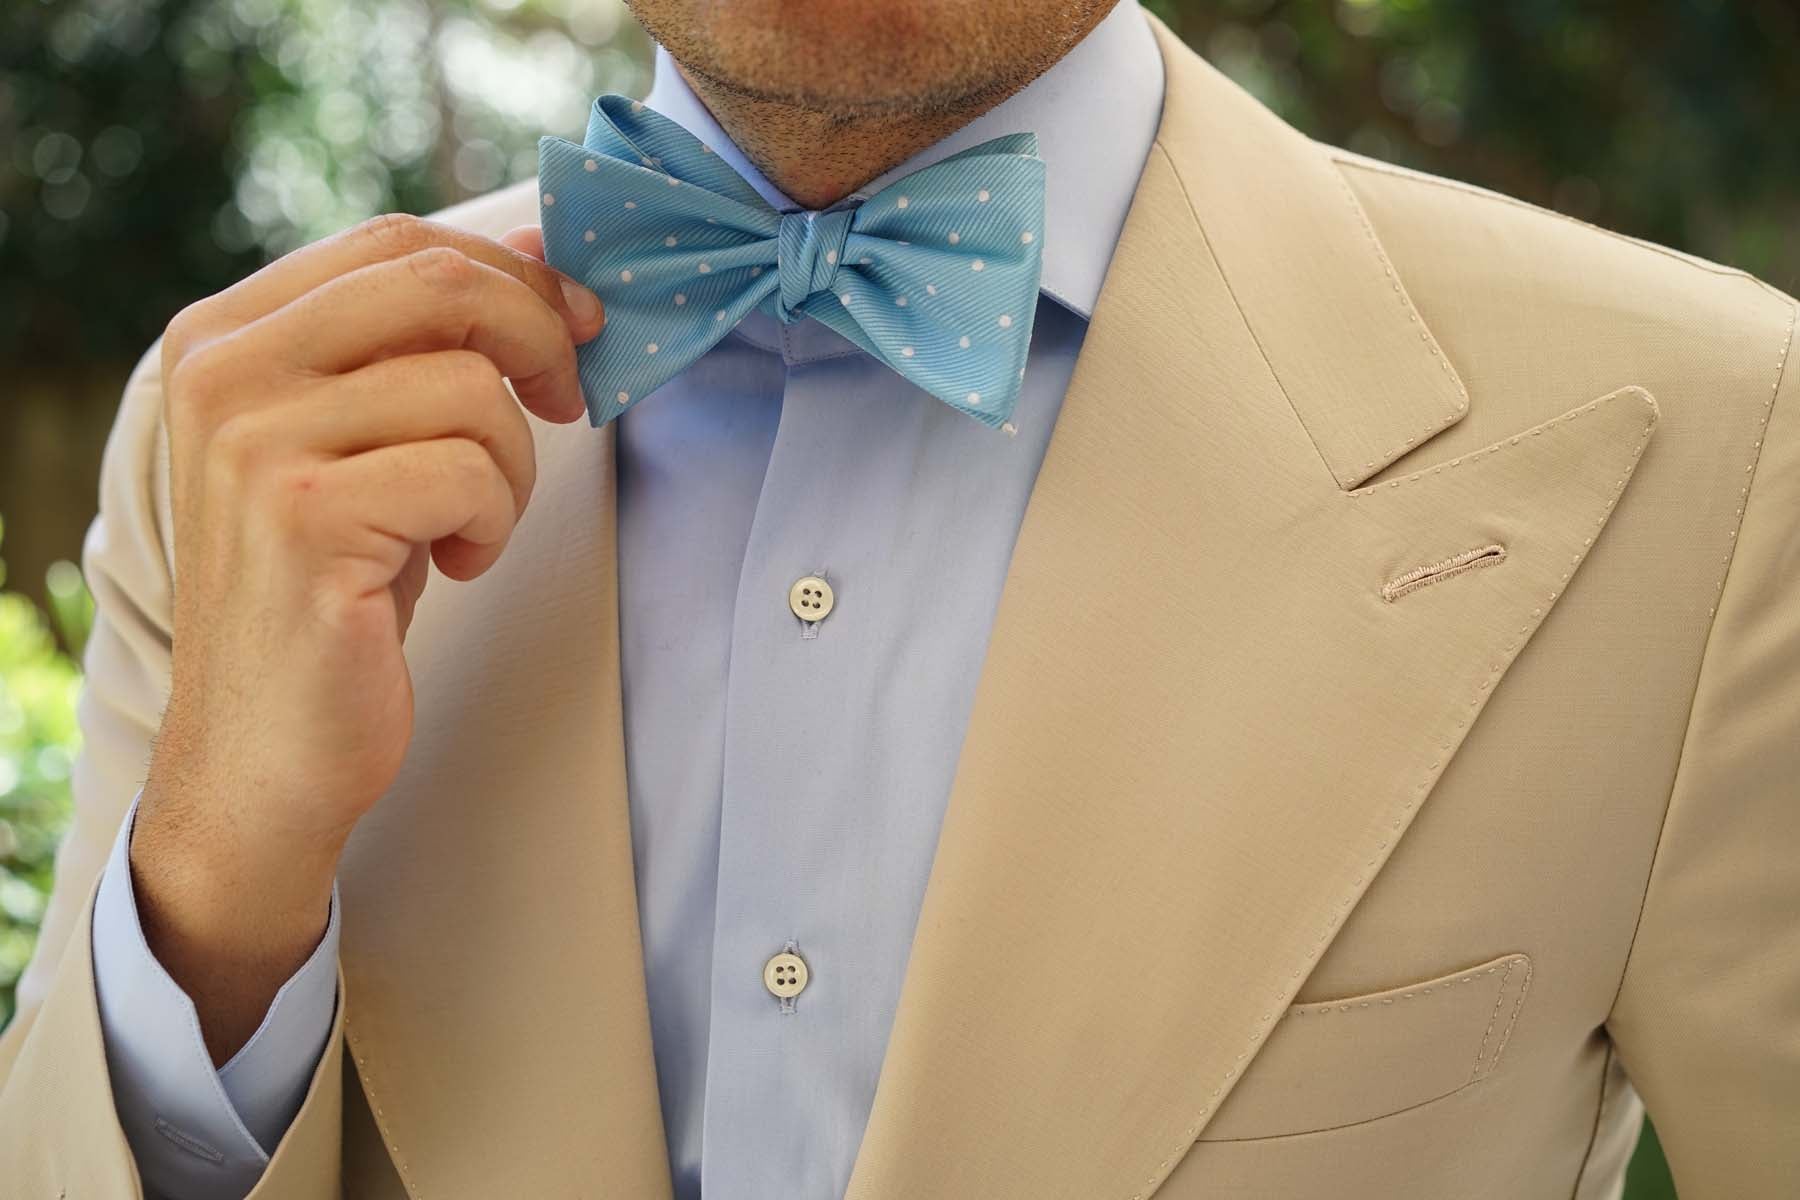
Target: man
(1334, 735)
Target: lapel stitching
(1215, 806)
(1415, 796)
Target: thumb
(526, 239)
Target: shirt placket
(790, 984)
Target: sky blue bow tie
(936, 275)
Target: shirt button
(810, 598)
(785, 975)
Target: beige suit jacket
(1384, 779)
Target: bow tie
(936, 274)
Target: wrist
(228, 928)
(214, 896)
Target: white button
(785, 975)
(810, 598)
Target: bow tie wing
(631, 132)
(940, 275)
(674, 242)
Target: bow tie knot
(809, 252)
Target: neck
(818, 158)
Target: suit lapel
(1200, 729)
(1203, 724)
(496, 1011)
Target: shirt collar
(1095, 113)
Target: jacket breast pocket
(1342, 1062)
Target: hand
(336, 421)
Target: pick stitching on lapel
(1201, 727)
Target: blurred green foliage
(1674, 120)
(155, 151)
(38, 741)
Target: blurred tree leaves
(38, 742)
(155, 151)
(115, 140)
(1677, 120)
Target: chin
(833, 54)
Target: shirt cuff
(195, 1132)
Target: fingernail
(583, 303)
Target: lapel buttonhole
(1457, 564)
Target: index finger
(393, 236)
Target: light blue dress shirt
(786, 779)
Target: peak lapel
(1203, 724)
(1330, 316)
(496, 1011)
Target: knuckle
(239, 444)
(527, 482)
(444, 268)
(179, 334)
(473, 468)
(396, 234)
(471, 373)
(520, 483)
(199, 381)
(494, 422)
(189, 329)
(468, 462)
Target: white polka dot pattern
(643, 203)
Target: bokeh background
(154, 151)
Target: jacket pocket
(1342, 1062)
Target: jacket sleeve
(1707, 1020)
(59, 1130)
